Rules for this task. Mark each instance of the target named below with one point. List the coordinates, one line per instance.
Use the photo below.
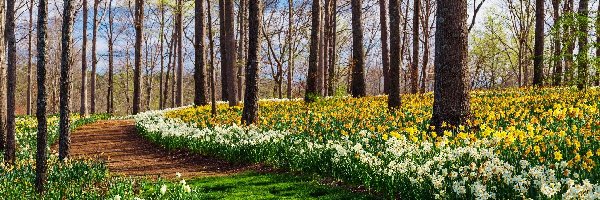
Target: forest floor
(127, 153)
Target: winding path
(127, 153)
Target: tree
(2, 76)
(394, 101)
(229, 56)
(358, 58)
(83, 91)
(11, 82)
(290, 71)
(94, 59)
(213, 98)
(29, 74)
(179, 27)
(558, 70)
(250, 111)
(199, 72)
(385, 57)
(42, 132)
(332, 48)
(538, 58)
(414, 68)
(161, 99)
(569, 41)
(311, 81)
(582, 56)
(451, 96)
(242, 29)
(65, 79)
(139, 18)
(110, 97)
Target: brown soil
(127, 153)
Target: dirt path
(128, 153)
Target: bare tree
(229, 56)
(331, 71)
(65, 79)
(290, 71)
(29, 73)
(94, 58)
(139, 18)
(394, 101)
(42, 132)
(312, 91)
(199, 71)
(358, 59)
(538, 58)
(250, 111)
(110, 97)
(385, 57)
(161, 99)
(11, 82)
(414, 68)
(558, 68)
(83, 91)
(213, 97)
(179, 27)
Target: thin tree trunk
(42, 132)
(558, 70)
(179, 27)
(358, 71)
(582, 56)
(2, 76)
(414, 68)
(538, 58)
(250, 111)
(199, 71)
(290, 72)
(229, 57)
(223, 51)
(137, 89)
(161, 7)
(29, 55)
(326, 40)
(385, 57)
(168, 75)
(213, 96)
(65, 79)
(312, 91)
(94, 59)
(110, 96)
(83, 90)
(242, 16)
(394, 101)
(321, 61)
(332, 49)
(569, 31)
(451, 96)
(11, 83)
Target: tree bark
(451, 96)
(385, 57)
(582, 56)
(394, 101)
(229, 56)
(199, 71)
(161, 7)
(558, 68)
(414, 68)
(83, 90)
(311, 81)
(29, 73)
(358, 55)
(137, 90)
(242, 29)
(569, 31)
(213, 96)
(538, 58)
(290, 70)
(110, 95)
(250, 111)
(179, 27)
(94, 59)
(332, 50)
(223, 50)
(65, 79)
(11, 83)
(2, 76)
(42, 132)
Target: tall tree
(311, 81)
(569, 43)
(42, 132)
(83, 90)
(137, 72)
(223, 51)
(242, 29)
(582, 56)
(250, 111)
(161, 8)
(94, 58)
(213, 96)
(11, 82)
(451, 95)
(358, 55)
(179, 26)
(331, 82)
(414, 68)
(538, 58)
(29, 73)
(229, 57)
(290, 71)
(2, 76)
(110, 97)
(558, 68)
(385, 57)
(394, 101)
(65, 79)
(199, 71)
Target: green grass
(253, 185)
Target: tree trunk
(250, 111)
(385, 59)
(137, 89)
(65, 79)
(313, 69)
(42, 132)
(332, 52)
(213, 96)
(321, 61)
(290, 70)
(94, 59)
(229, 56)
(558, 70)
(223, 50)
(326, 40)
(597, 81)
(169, 67)
(83, 90)
(569, 31)
(414, 68)
(582, 56)
(242, 16)
(451, 96)
(394, 101)
(199, 72)
(11, 83)
(2, 76)
(358, 55)
(538, 58)
(110, 96)
(161, 7)
(29, 73)
(179, 27)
